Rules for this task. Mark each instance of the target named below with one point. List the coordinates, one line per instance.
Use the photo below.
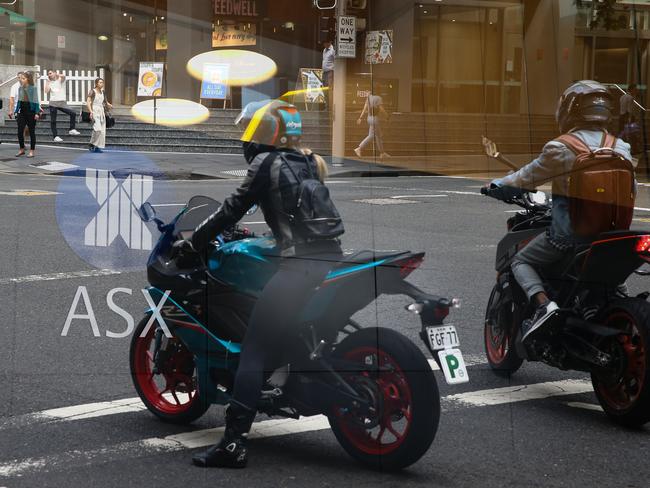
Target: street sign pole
(346, 48)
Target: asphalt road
(552, 434)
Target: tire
(499, 333)
(182, 403)
(406, 398)
(625, 394)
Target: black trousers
(275, 318)
(26, 119)
(65, 110)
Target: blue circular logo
(97, 208)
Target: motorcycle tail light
(410, 264)
(643, 245)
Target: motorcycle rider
(272, 138)
(585, 111)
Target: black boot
(231, 451)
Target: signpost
(346, 37)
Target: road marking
(385, 201)
(521, 393)
(146, 447)
(55, 166)
(585, 406)
(29, 193)
(60, 276)
(398, 197)
(264, 429)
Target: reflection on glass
(171, 112)
(245, 67)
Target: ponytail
(321, 165)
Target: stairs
(405, 134)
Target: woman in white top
(97, 106)
(374, 106)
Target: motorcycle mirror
(146, 212)
(538, 198)
(490, 148)
(252, 210)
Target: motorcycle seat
(365, 257)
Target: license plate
(453, 366)
(443, 337)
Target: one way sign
(347, 37)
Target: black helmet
(269, 125)
(584, 104)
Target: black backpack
(312, 212)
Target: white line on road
(419, 196)
(521, 393)
(585, 406)
(268, 428)
(60, 276)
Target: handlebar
(520, 198)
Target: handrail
(635, 102)
(6, 82)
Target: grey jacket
(555, 164)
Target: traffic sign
(346, 37)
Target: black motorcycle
(374, 385)
(598, 329)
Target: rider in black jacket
(270, 141)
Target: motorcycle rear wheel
(172, 394)
(402, 387)
(499, 333)
(625, 394)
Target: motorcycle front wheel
(500, 329)
(623, 389)
(400, 384)
(167, 385)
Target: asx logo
(118, 212)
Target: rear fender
(611, 260)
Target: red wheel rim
(172, 391)
(497, 339)
(391, 395)
(621, 391)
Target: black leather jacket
(264, 185)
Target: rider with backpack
(288, 184)
(593, 190)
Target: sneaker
(58, 139)
(537, 321)
(74, 132)
(357, 151)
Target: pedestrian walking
(27, 111)
(328, 70)
(628, 108)
(13, 96)
(98, 106)
(55, 87)
(374, 106)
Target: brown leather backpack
(601, 187)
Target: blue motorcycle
(374, 385)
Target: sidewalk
(53, 160)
